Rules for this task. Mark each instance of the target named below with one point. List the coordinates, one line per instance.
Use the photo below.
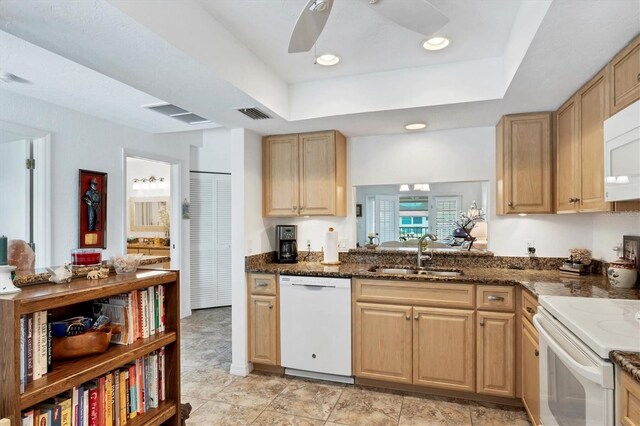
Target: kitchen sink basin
(421, 271)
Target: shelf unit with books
(67, 374)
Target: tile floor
(218, 398)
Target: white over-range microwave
(622, 154)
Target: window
(446, 215)
(414, 217)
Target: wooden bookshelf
(67, 374)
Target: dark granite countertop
(627, 361)
(538, 282)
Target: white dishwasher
(315, 327)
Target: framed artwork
(631, 249)
(358, 210)
(92, 199)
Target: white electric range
(577, 379)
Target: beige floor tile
(418, 411)
(482, 416)
(252, 391)
(271, 418)
(204, 383)
(306, 399)
(219, 413)
(365, 407)
(195, 402)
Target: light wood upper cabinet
(579, 148)
(304, 175)
(280, 175)
(524, 164)
(382, 339)
(443, 348)
(530, 371)
(624, 77)
(263, 336)
(495, 363)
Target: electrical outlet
(308, 243)
(531, 248)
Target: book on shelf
(112, 399)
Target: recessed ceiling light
(436, 43)
(415, 126)
(328, 59)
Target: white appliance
(315, 327)
(622, 154)
(576, 376)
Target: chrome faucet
(427, 254)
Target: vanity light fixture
(149, 183)
(415, 126)
(435, 43)
(421, 187)
(404, 187)
(328, 59)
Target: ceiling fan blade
(309, 26)
(417, 15)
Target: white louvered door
(210, 243)
(387, 217)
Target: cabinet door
(527, 164)
(317, 173)
(495, 365)
(383, 342)
(280, 175)
(263, 338)
(629, 401)
(592, 110)
(624, 77)
(566, 158)
(443, 348)
(530, 372)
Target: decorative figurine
(92, 200)
(99, 274)
(61, 274)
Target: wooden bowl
(89, 343)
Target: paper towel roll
(330, 246)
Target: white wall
(463, 155)
(215, 154)
(80, 141)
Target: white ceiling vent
(254, 113)
(178, 113)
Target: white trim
(42, 222)
(241, 369)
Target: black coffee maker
(286, 245)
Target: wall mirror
(146, 213)
(396, 216)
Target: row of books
(140, 314)
(111, 400)
(35, 340)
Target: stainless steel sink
(406, 271)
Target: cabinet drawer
(495, 298)
(529, 306)
(159, 252)
(262, 284)
(415, 293)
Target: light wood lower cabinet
(263, 335)
(443, 348)
(530, 371)
(495, 357)
(383, 342)
(629, 400)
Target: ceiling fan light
(415, 126)
(328, 59)
(435, 43)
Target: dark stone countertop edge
(629, 362)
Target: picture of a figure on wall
(93, 209)
(92, 200)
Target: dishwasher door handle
(313, 285)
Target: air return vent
(254, 113)
(178, 113)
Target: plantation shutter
(387, 211)
(446, 214)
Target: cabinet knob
(294, 208)
(261, 284)
(510, 203)
(495, 298)
(530, 310)
(416, 318)
(270, 306)
(407, 317)
(572, 200)
(576, 200)
(482, 323)
(638, 77)
(301, 207)
(536, 352)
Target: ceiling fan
(423, 18)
